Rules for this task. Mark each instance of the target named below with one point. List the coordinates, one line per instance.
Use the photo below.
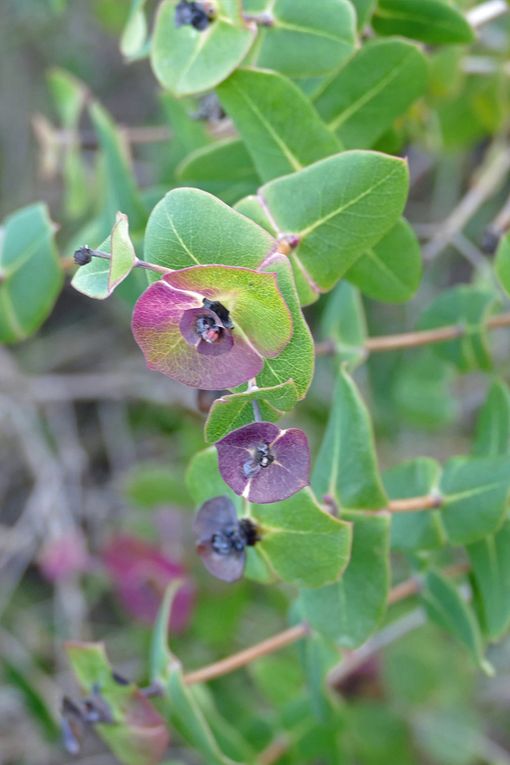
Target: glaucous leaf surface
(420, 530)
(179, 702)
(301, 542)
(475, 497)
(377, 85)
(305, 40)
(502, 263)
(490, 576)
(121, 189)
(190, 227)
(69, 96)
(263, 463)
(30, 273)
(93, 278)
(431, 21)
(204, 480)
(351, 609)
(492, 435)
(391, 270)
(186, 60)
(133, 42)
(344, 323)
(445, 606)
(223, 168)
(262, 325)
(123, 255)
(297, 360)
(270, 113)
(338, 208)
(346, 467)
(364, 9)
(231, 412)
(139, 735)
(469, 308)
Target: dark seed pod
(82, 256)
(193, 14)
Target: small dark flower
(193, 14)
(82, 256)
(222, 538)
(263, 463)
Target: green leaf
(69, 96)
(30, 273)
(475, 497)
(502, 262)
(297, 360)
(269, 112)
(391, 270)
(204, 480)
(190, 227)
(344, 323)
(302, 42)
(374, 87)
(123, 255)
(231, 412)
(493, 425)
(224, 168)
(420, 530)
(178, 699)
(468, 308)
(133, 41)
(350, 610)
(346, 466)
(188, 133)
(364, 9)
(447, 608)
(490, 576)
(301, 542)
(431, 21)
(253, 298)
(187, 61)
(423, 390)
(99, 278)
(121, 190)
(138, 735)
(338, 208)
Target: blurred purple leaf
(141, 573)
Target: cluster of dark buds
(82, 256)
(77, 717)
(195, 14)
(222, 538)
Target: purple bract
(211, 327)
(263, 463)
(222, 538)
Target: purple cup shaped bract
(188, 342)
(221, 538)
(263, 463)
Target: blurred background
(95, 518)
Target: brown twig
(241, 659)
(414, 339)
(294, 634)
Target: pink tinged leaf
(253, 299)
(263, 463)
(141, 573)
(215, 518)
(156, 326)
